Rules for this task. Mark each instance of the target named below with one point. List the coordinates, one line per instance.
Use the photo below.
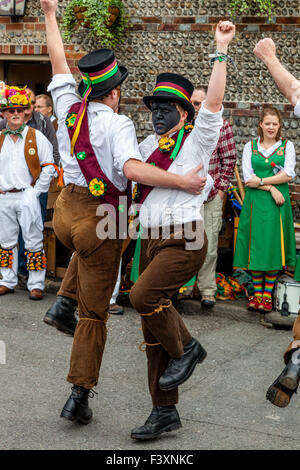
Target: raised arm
(215, 93)
(288, 85)
(54, 41)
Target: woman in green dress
(266, 238)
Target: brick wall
(177, 35)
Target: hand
(49, 6)
(254, 182)
(221, 194)
(277, 196)
(265, 49)
(192, 182)
(225, 31)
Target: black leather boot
(179, 370)
(76, 407)
(62, 315)
(283, 388)
(162, 419)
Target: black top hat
(100, 70)
(173, 87)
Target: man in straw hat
(104, 153)
(286, 384)
(176, 254)
(26, 169)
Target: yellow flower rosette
(166, 144)
(97, 187)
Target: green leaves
(263, 7)
(97, 17)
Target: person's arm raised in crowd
(54, 41)
(225, 31)
(288, 85)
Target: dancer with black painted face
(176, 245)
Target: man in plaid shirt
(221, 168)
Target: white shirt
(165, 206)
(297, 109)
(112, 136)
(289, 162)
(14, 172)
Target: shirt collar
(95, 107)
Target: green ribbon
(17, 132)
(178, 143)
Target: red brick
(137, 27)
(201, 27)
(44, 50)
(74, 55)
(216, 19)
(74, 69)
(4, 19)
(254, 19)
(151, 19)
(31, 49)
(184, 19)
(168, 27)
(14, 26)
(40, 27)
(30, 19)
(271, 27)
(29, 26)
(295, 196)
(229, 104)
(288, 19)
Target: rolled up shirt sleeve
(45, 152)
(297, 109)
(124, 143)
(246, 163)
(63, 92)
(290, 159)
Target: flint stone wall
(177, 35)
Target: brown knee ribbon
(157, 310)
(147, 344)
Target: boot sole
(49, 320)
(169, 428)
(71, 417)
(278, 397)
(200, 359)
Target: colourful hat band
(172, 88)
(103, 75)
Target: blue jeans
(22, 259)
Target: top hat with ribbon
(174, 88)
(100, 75)
(13, 97)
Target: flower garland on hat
(14, 97)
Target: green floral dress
(266, 237)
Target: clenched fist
(225, 32)
(49, 6)
(265, 49)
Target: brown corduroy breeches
(165, 266)
(97, 264)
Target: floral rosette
(136, 192)
(97, 187)
(16, 97)
(70, 120)
(188, 128)
(166, 144)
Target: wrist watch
(261, 183)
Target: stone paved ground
(222, 406)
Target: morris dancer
(168, 262)
(105, 153)
(286, 384)
(26, 169)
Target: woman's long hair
(269, 110)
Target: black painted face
(165, 116)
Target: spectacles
(18, 110)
